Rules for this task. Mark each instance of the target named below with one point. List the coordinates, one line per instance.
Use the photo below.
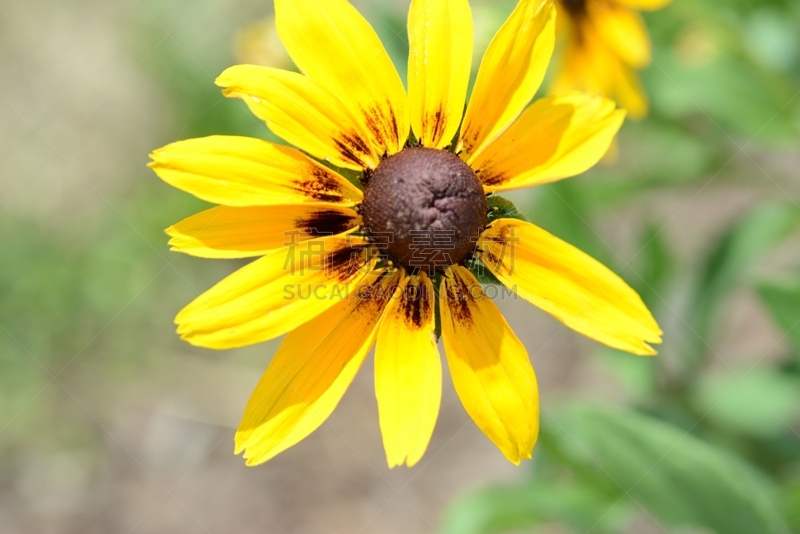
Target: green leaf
(679, 479)
(782, 299)
(729, 92)
(733, 259)
(791, 504)
(501, 509)
(762, 401)
(655, 266)
(501, 208)
(636, 376)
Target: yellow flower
(378, 266)
(605, 42)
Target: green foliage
(673, 475)
(500, 509)
(655, 268)
(732, 260)
(625, 461)
(761, 401)
(644, 163)
(501, 208)
(782, 299)
(791, 505)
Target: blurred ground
(117, 426)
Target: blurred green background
(108, 423)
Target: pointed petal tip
(225, 77)
(519, 456)
(405, 461)
(253, 462)
(647, 351)
(251, 459)
(221, 80)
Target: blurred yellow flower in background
(259, 44)
(604, 43)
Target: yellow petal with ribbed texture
(510, 74)
(242, 171)
(644, 5)
(568, 284)
(245, 232)
(275, 294)
(557, 137)
(304, 113)
(490, 367)
(439, 65)
(335, 46)
(408, 372)
(623, 30)
(311, 372)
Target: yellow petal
(510, 73)
(245, 232)
(408, 372)
(566, 283)
(644, 5)
(556, 138)
(439, 65)
(490, 367)
(311, 372)
(275, 294)
(335, 46)
(242, 171)
(304, 113)
(624, 31)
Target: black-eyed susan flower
(344, 268)
(605, 43)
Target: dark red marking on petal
(458, 300)
(321, 185)
(417, 304)
(439, 122)
(493, 179)
(344, 263)
(376, 295)
(395, 127)
(373, 120)
(327, 222)
(353, 148)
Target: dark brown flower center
(425, 208)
